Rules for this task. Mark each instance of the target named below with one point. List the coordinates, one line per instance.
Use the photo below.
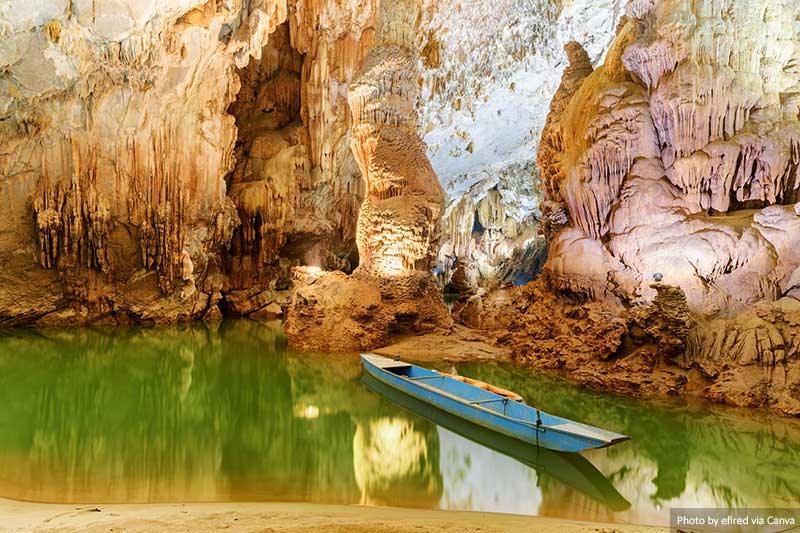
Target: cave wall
(296, 184)
(165, 159)
(680, 156)
(115, 143)
(677, 161)
(161, 160)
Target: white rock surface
(485, 99)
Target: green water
(194, 414)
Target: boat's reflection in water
(571, 469)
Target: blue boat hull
(487, 409)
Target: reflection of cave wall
(154, 417)
(151, 414)
(396, 461)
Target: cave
(248, 151)
(296, 202)
(600, 199)
(270, 149)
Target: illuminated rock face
(393, 291)
(296, 184)
(115, 143)
(131, 188)
(680, 156)
(168, 159)
(400, 220)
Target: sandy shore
(196, 517)
(457, 345)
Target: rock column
(400, 220)
(393, 290)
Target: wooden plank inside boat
(385, 362)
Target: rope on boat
(538, 425)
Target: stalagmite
(399, 223)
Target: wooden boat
(571, 469)
(484, 407)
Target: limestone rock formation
(751, 358)
(600, 345)
(296, 184)
(334, 312)
(393, 289)
(115, 142)
(679, 158)
(489, 70)
(400, 219)
(747, 360)
(170, 159)
(175, 159)
(485, 246)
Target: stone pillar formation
(393, 289)
(400, 219)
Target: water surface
(189, 413)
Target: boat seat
(385, 362)
(569, 427)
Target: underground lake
(194, 413)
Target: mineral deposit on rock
(679, 159)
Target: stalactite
(273, 168)
(120, 146)
(165, 183)
(650, 60)
(72, 218)
(667, 155)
